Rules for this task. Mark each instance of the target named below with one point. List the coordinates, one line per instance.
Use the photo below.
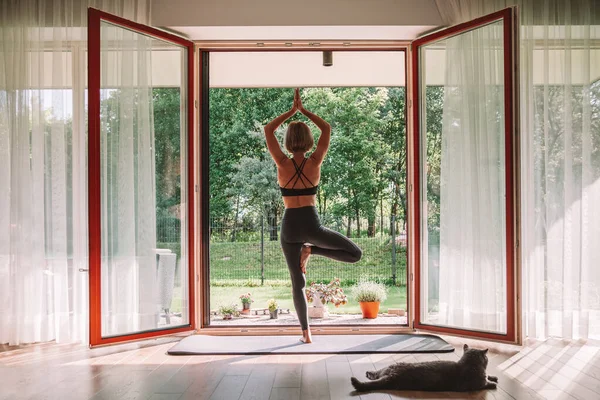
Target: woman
(298, 177)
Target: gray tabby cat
(466, 375)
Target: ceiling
(297, 20)
(314, 20)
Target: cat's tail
(358, 385)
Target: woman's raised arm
(323, 145)
(272, 143)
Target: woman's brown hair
(298, 137)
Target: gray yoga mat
(322, 344)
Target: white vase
(318, 309)
(317, 312)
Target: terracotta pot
(369, 309)
(227, 316)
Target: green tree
(236, 120)
(394, 172)
(357, 151)
(363, 170)
(434, 96)
(255, 180)
(167, 151)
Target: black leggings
(300, 226)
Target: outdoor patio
(289, 318)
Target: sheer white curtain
(129, 302)
(472, 183)
(560, 160)
(43, 178)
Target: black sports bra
(305, 191)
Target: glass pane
(463, 210)
(143, 178)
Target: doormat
(322, 344)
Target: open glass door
(463, 172)
(140, 146)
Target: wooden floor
(551, 369)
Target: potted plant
(246, 301)
(228, 310)
(273, 308)
(320, 294)
(369, 295)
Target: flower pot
(317, 312)
(227, 316)
(369, 309)
(245, 308)
(273, 314)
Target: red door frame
(94, 188)
(204, 242)
(507, 16)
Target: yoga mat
(322, 344)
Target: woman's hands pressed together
(273, 145)
(297, 105)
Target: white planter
(317, 312)
(317, 309)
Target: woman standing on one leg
(301, 231)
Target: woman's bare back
(285, 166)
(287, 171)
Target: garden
(257, 266)
(362, 194)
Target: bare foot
(304, 256)
(306, 336)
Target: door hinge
(412, 277)
(410, 187)
(196, 188)
(196, 103)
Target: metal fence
(249, 251)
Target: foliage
(272, 305)
(228, 309)
(365, 169)
(433, 162)
(283, 295)
(327, 293)
(366, 291)
(255, 181)
(250, 283)
(236, 120)
(246, 298)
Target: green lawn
(235, 263)
(283, 295)
(235, 268)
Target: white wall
(305, 69)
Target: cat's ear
(465, 347)
(485, 351)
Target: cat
(466, 375)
